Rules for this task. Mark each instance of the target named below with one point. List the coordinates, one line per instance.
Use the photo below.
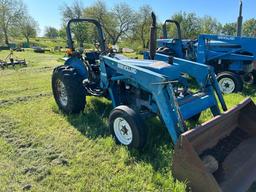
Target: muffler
(219, 155)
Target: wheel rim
(62, 93)
(123, 131)
(227, 85)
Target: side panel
(231, 48)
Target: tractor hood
(169, 70)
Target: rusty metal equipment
(219, 155)
(11, 60)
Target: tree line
(121, 23)
(15, 21)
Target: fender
(78, 64)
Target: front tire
(68, 90)
(230, 82)
(127, 127)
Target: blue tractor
(232, 57)
(142, 89)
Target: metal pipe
(240, 20)
(153, 32)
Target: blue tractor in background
(232, 57)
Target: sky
(47, 12)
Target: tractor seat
(91, 57)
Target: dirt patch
(33, 156)
(16, 100)
(17, 91)
(38, 69)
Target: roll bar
(89, 20)
(165, 28)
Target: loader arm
(203, 74)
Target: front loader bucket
(220, 155)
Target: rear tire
(230, 82)
(68, 90)
(127, 127)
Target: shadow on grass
(249, 91)
(93, 123)
(158, 149)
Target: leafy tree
(124, 17)
(249, 28)
(1, 37)
(229, 29)
(62, 32)
(210, 25)
(99, 11)
(190, 25)
(28, 27)
(75, 11)
(51, 32)
(116, 23)
(142, 25)
(11, 11)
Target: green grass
(41, 42)
(43, 150)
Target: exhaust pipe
(152, 41)
(240, 20)
(219, 155)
